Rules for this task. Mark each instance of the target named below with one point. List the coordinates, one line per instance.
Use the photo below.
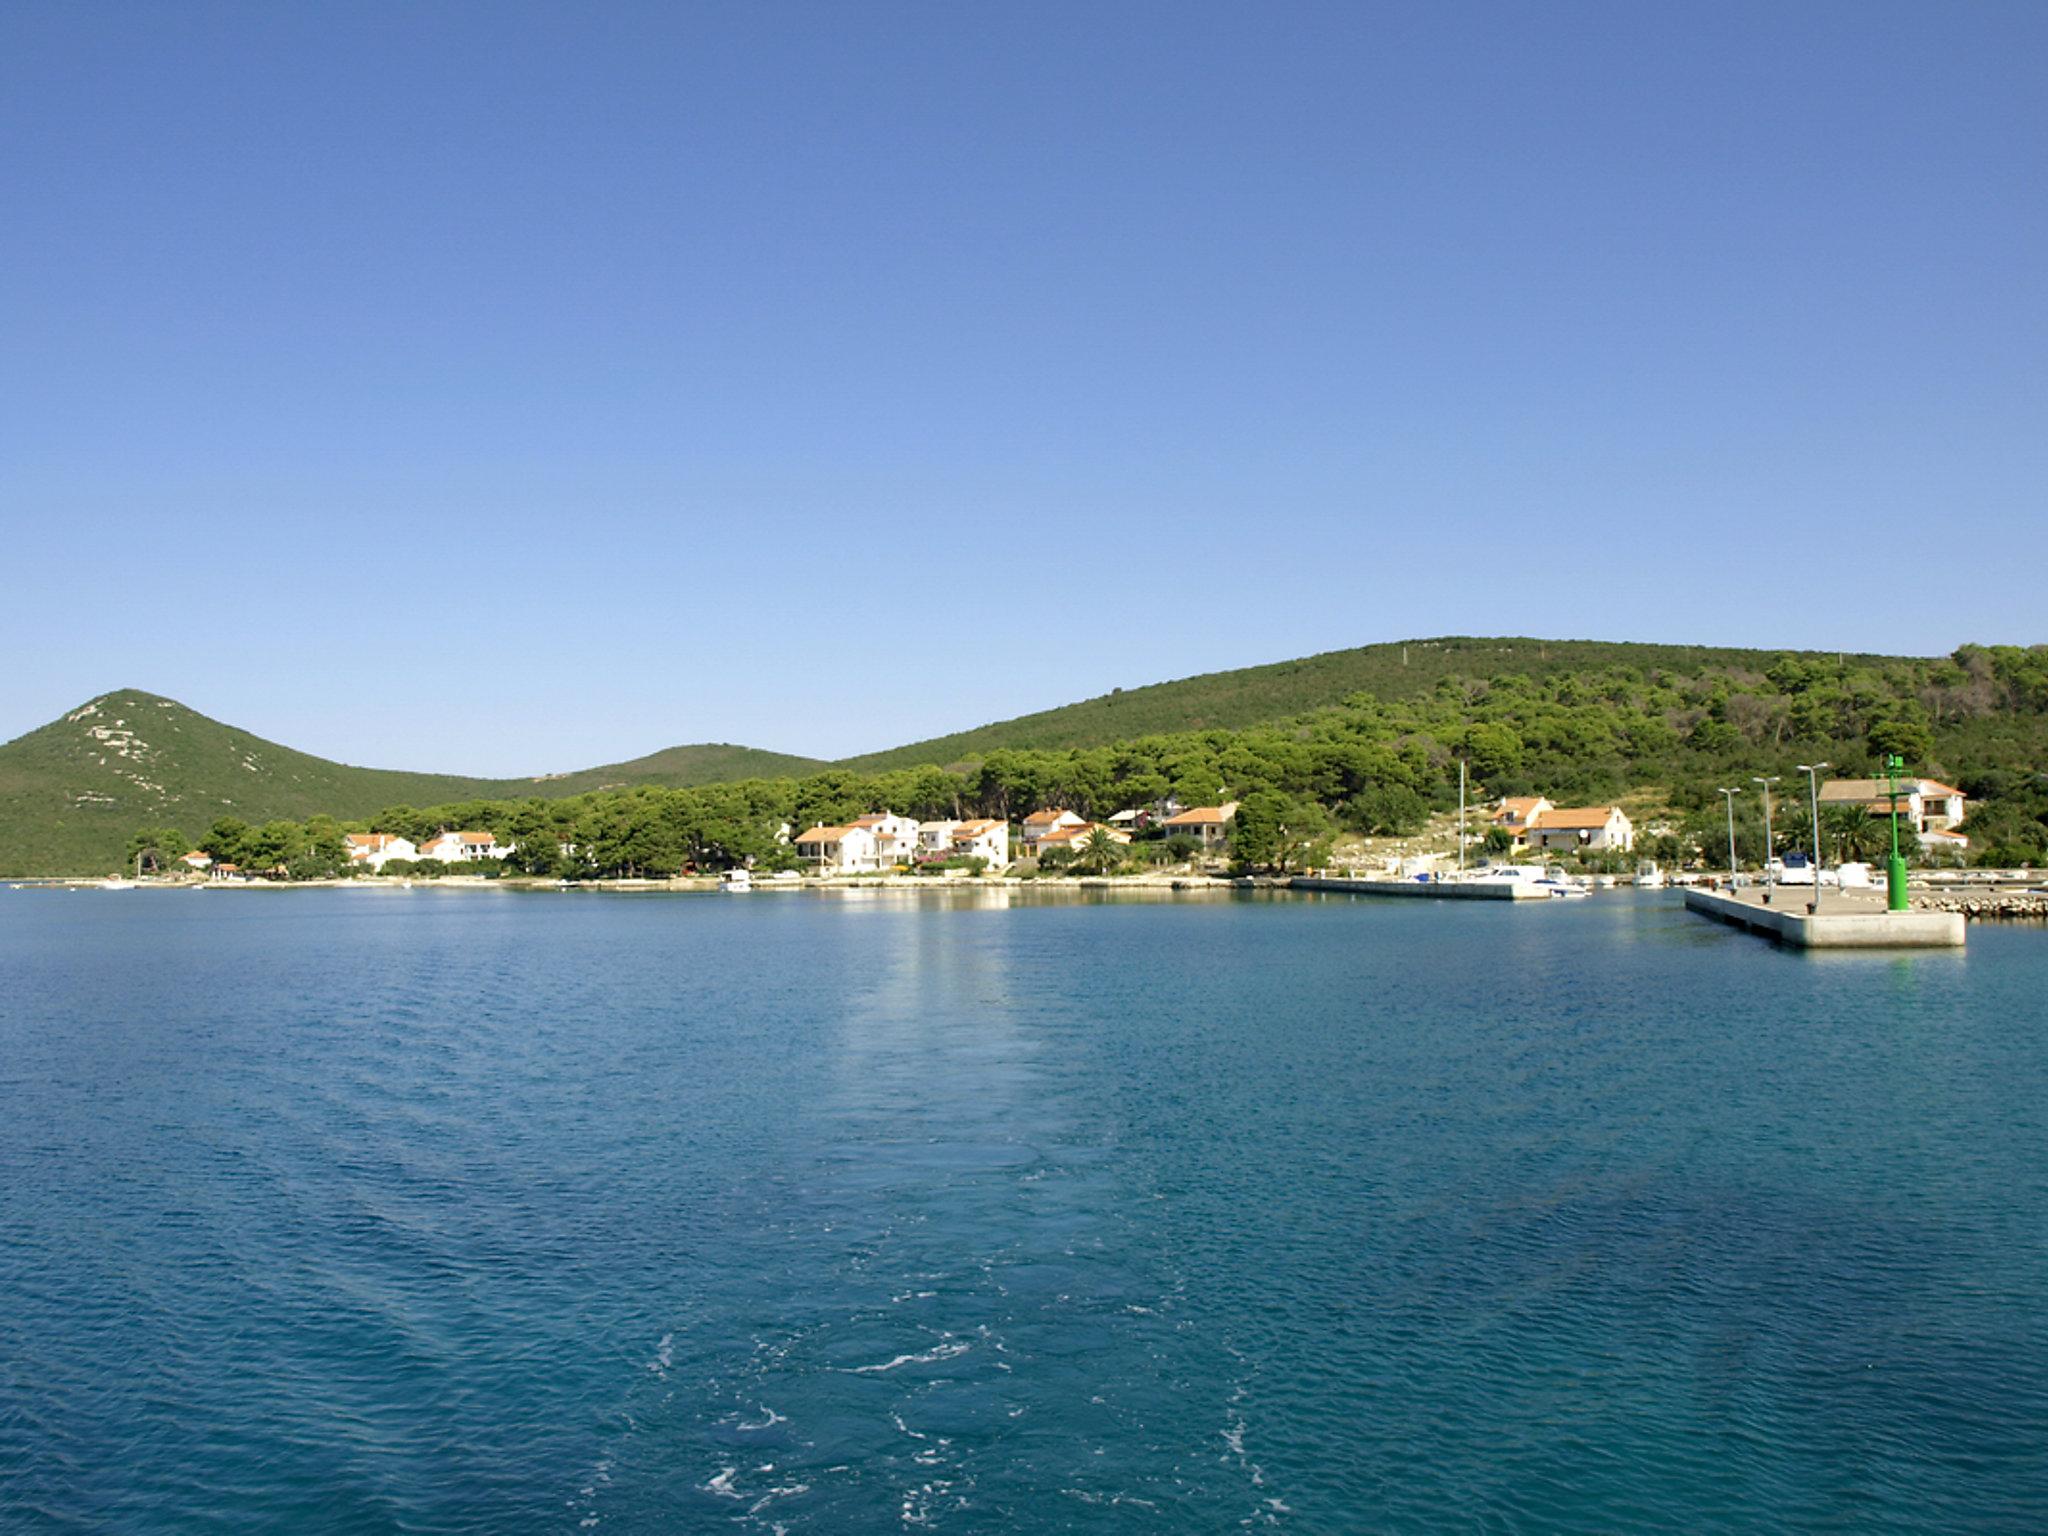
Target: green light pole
(1895, 870)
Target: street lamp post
(1812, 772)
(1766, 782)
(1731, 794)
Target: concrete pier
(1447, 890)
(1847, 919)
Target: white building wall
(896, 839)
(993, 845)
(1034, 835)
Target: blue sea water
(484, 1211)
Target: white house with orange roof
(1041, 824)
(935, 838)
(1076, 838)
(847, 850)
(1942, 806)
(1929, 804)
(896, 840)
(463, 847)
(376, 849)
(1518, 813)
(979, 838)
(1210, 824)
(198, 860)
(1567, 827)
(983, 838)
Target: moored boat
(1555, 882)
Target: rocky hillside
(73, 792)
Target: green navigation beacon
(1895, 871)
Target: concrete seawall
(1854, 923)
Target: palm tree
(1853, 833)
(1101, 852)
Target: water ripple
(483, 1213)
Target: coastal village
(1511, 847)
(868, 845)
(1054, 839)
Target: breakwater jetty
(1846, 920)
(1977, 905)
(1435, 890)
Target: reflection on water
(1009, 1210)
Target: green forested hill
(672, 768)
(1282, 690)
(73, 792)
(1353, 731)
(1663, 729)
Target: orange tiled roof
(1082, 833)
(1836, 791)
(822, 834)
(1573, 818)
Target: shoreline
(2008, 895)
(1182, 883)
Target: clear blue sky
(501, 388)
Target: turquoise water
(498, 1212)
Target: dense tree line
(1978, 718)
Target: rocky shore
(1987, 904)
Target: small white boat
(1555, 882)
(1516, 881)
(1649, 877)
(736, 882)
(1488, 874)
(116, 883)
